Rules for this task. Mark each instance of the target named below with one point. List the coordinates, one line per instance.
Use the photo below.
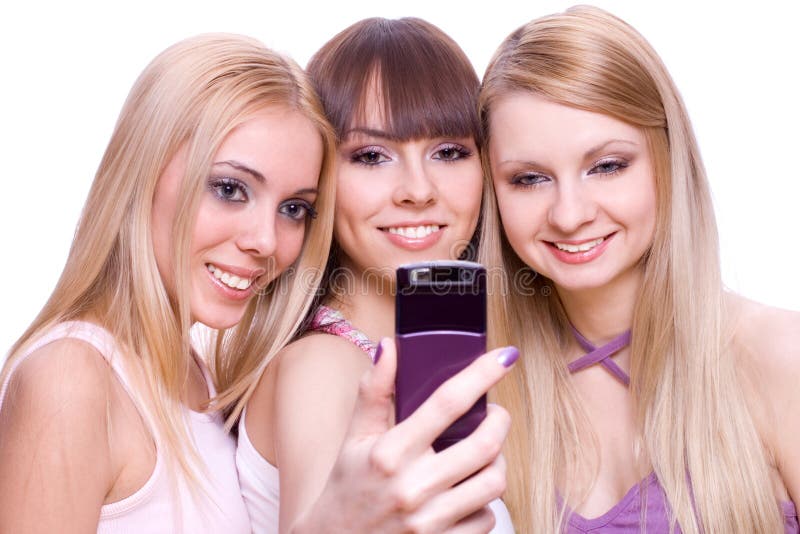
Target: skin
(578, 176)
(308, 394)
(72, 439)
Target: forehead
(530, 123)
(281, 144)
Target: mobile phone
(440, 317)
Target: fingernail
(378, 352)
(508, 356)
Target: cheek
(518, 215)
(463, 194)
(290, 243)
(162, 220)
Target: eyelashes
(373, 155)
(451, 152)
(369, 155)
(604, 168)
(609, 167)
(297, 210)
(229, 189)
(232, 190)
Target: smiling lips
(230, 280)
(414, 237)
(576, 252)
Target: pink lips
(575, 258)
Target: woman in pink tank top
(215, 179)
(651, 400)
(207, 192)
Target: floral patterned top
(331, 321)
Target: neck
(601, 314)
(367, 302)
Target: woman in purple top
(649, 398)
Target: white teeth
(414, 232)
(583, 247)
(228, 279)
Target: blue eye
(229, 189)
(529, 180)
(451, 152)
(297, 210)
(608, 167)
(370, 155)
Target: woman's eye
(297, 210)
(369, 156)
(608, 167)
(229, 189)
(451, 153)
(529, 180)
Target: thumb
(374, 407)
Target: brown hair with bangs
(425, 83)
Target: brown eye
(451, 152)
(369, 156)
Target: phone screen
(441, 328)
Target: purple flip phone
(441, 328)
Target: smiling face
(252, 214)
(575, 189)
(404, 201)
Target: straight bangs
(421, 81)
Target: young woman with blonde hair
(202, 202)
(213, 205)
(402, 97)
(650, 399)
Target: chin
(220, 319)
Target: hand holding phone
(441, 328)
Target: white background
(67, 68)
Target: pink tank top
(152, 509)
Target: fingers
(432, 473)
(481, 522)
(450, 401)
(463, 508)
(373, 410)
(469, 455)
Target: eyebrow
(588, 154)
(242, 167)
(371, 132)
(307, 191)
(595, 149)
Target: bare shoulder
(322, 351)
(308, 380)
(54, 440)
(63, 377)
(327, 365)
(767, 337)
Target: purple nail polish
(378, 353)
(508, 356)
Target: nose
(573, 207)
(416, 187)
(257, 235)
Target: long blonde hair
(191, 95)
(690, 413)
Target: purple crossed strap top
(626, 516)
